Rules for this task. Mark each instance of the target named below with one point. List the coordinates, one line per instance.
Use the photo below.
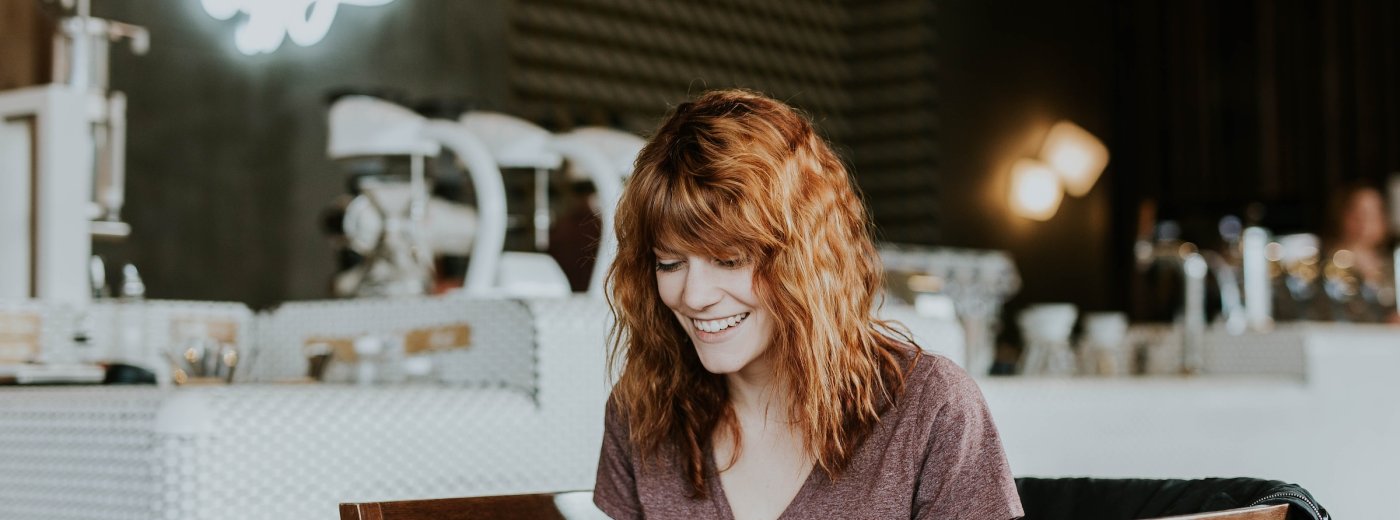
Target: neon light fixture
(271, 21)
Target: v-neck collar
(721, 500)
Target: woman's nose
(701, 287)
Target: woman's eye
(667, 267)
(729, 263)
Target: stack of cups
(1046, 329)
(1101, 348)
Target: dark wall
(1256, 109)
(1010, 70)
(1222, 104)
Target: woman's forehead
(697, 247)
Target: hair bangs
(689, 215)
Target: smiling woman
(714, 302)
(756, 380)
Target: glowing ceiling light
(271, 21)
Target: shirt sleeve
(965, 474)
(615, 491)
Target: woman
(1359, 273)
(756, 382)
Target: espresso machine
(399, 227)
(390, 217)
(62, 163)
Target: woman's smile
(714, 331)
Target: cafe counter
(1309, 403)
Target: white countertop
(1334, 428)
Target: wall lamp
(1071, 161)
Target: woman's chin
(720, 367)
(721, 364)
(729, 361)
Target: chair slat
(1274, 512)
(475, 508)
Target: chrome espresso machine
(63, 164)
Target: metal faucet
(1193, 316)
(1239, 310)
(1258, 281)
(1193, 266)
(81, 60)
(1232, 304)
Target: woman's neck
(755, 390)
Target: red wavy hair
(735, 173)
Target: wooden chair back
(544, 507)
(541, 506)
(1274, 512)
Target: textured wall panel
(892, 117)
(862, 70)
(640, 57)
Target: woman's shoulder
(934, 379)
(614, 414)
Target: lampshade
(1076, 154)
(513, 141)
(362, 125)
(1035, 190)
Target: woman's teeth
(720, 324)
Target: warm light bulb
(1035, 190)
(1076, 155)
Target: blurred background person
(1359, 273)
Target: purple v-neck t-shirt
(934, 455)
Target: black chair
(1130, 499)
